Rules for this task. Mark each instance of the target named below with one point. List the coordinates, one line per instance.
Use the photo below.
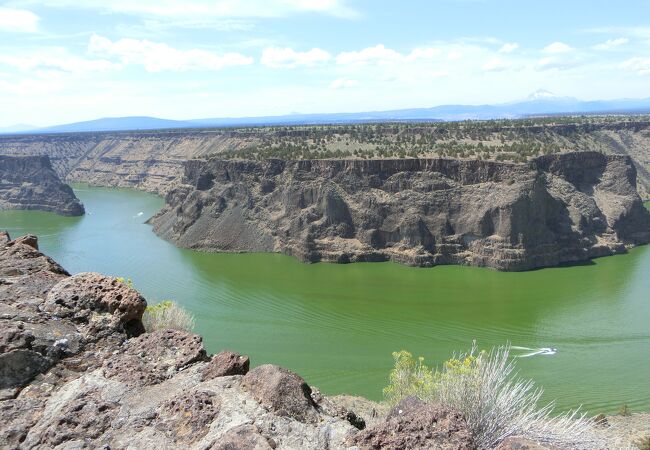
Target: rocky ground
(77, 370)
(422, 212)
(625, 432)
(29, 182)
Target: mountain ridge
(539, 103)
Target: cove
(336, 325)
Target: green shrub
(495, 402)
(126, 281)
(165, 315)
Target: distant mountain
(118, 124)
(18, 128)
(539, 103)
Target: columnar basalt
(29, 182)
(422, 212)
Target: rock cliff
(29, 182)
(153, 160)
(78, 371)
(423, 212)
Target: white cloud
(454, 55)
(439, 74)
(423, 53)
(184, 9)
(509, 47)
(557, 47)
(343, 83)
(332, 7)
(611, 43)
(18, 20)
(30, 87)
(159, 57)
(289, 58)
(377, 54)
(554, 62)
(638, 64)
(640, 32)
(56, 59)
(495, 65)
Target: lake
(336, 325)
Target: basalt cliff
(153, 160)
(553, 209)
(29, 182)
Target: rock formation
(78, 371)
(422, 212)
(415, 424)
(153, 160)
(29, 182)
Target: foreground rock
(77, 371)
(29, 182)
(423, 212)
(413, 424)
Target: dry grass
(496, 402)
(167, 315)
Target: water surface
(337, 325)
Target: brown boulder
(29, 240)
(154, 357)
(282, 391)
(224, 364)
(19, 257)
(187, 418)
(413, 424)
(81, 295)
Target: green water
(337, 324)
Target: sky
(71, 60)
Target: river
(337, 325)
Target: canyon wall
(153, 160)
(554, 209)
(29, 182)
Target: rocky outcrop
(423, 212)
(29, 182)
(147, 160)
(226, 363)
(413, 424)
(77, 371)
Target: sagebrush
(165, 315)
(495, 401)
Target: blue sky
(70, 60)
